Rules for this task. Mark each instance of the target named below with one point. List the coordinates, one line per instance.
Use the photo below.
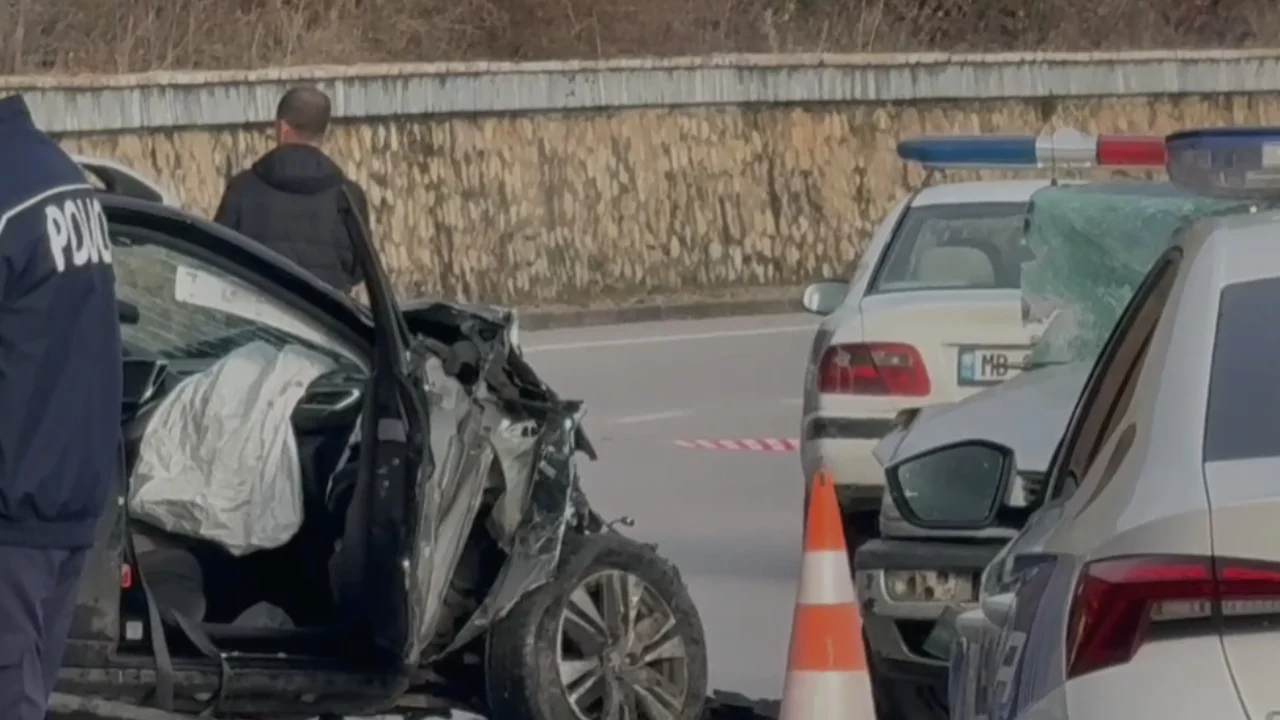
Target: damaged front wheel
(614, 636)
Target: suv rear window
(1241, 421)
(955, 246)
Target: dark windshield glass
(956, 246)
(1244, 382)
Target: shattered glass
(1093, 244)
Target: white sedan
(931, 315)
(934, 311)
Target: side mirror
(956, 487)
(824, 297)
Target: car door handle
(970, 624)
(996, 608)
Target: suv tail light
(873, 369)
(1119, 601)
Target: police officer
(60, 396)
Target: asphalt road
(729, 519)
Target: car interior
(271, 603)
(973, 253)
(293, 599)
(208, 585)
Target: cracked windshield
(1091, 247)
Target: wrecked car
(1092, 244)
(332, 509)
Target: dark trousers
(37, 600)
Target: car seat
(173, 571)
(955, 266)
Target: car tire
(527, 649)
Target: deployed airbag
(219, 460)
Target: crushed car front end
(517, 556)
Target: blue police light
(1064, 149)
(1226, 162)
(974, 151)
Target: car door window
(1110, 387)
(1244, 381)
(192, 313)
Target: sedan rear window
(1244, 383)
(955, 246)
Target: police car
(933, 312)
(1146, 583)
(1093, 244)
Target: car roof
(1241, 246)
(1139, 188)
(997, 191)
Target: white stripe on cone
(824, 579)
(827, 696)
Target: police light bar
(1226, 162)
(1064, 149)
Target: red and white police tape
(753, 445)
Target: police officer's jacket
(60, 357)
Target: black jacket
(60, 359)
(290, 201)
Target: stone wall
(602, 203)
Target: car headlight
(929, 586)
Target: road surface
(729, 518)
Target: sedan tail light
(873, 369)
(1119, 602)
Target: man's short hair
(306, 110)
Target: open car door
(372, 567)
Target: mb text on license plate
(989, 365)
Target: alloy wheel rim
(620, 654)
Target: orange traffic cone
(827, 668)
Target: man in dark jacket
(60, 395)
(292, 197)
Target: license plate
(989, 365)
